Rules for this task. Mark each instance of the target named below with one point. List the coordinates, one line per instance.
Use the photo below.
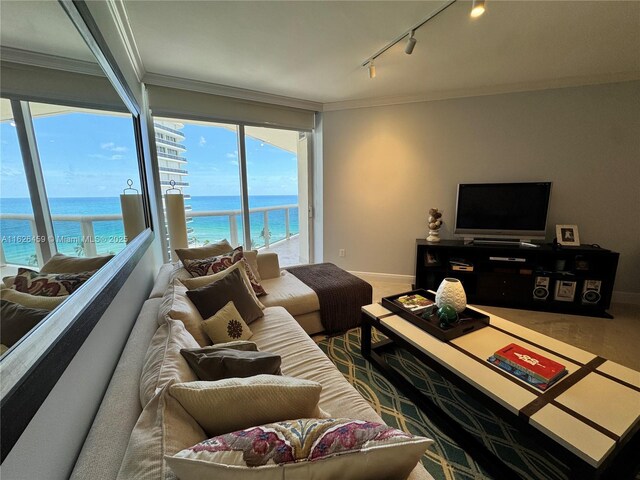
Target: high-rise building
(172, 163)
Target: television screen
(505, 209)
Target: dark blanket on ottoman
(340, 294)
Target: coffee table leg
(365, 336)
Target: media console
(576, 280)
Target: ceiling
(42, 27)
(313, 50)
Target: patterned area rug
(445, 459)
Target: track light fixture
(477, 8)
(411, 43)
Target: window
(87, 156)
(17, 224)
(276, 169)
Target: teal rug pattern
(444, 460)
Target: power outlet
(342, 252)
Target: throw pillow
(197, 282)
(305, 448)
(163, 428)
(211, 250)
(226, 325)
(211, 265)
(241, 345)
(251, 256)
(60, 263)
(8, 281)
(48, 285)
(163, 362)
(31, 301)
(176, 305)
(235, 403)
(227, 363)
(16, 320)
(211, 298)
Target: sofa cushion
(211, 298)
(218, 363)
(210, 265)
(232, 404)
(322, 449)
(177, 305)
(17, 320)
(289, 292)
(163, 428)
(31, 301)
(192, 283)
(61, 263)
(226, 325)
(49, 284)
(211, 250)
(163, 362)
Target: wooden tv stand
(507, 275)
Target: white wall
(385, 166)
(48, 447)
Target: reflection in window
(87, 156)
(17, 225)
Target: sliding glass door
(244, 184)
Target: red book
(530, 362)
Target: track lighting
(411, 43)
(477, 8)
(372, 69)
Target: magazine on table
(414, 303)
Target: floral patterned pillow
(211, 265)
(49, 285)
(325, 448)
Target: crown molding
(121, 20)
(35, 59)
(227, 91)
(485, 91)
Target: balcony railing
(173, 170)
(164, 141)
(168, 129)
(167, 183)
(87, 241)
(172, 156)
(232, 216)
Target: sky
(93, 155)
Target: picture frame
(431, 259)
(568, 235)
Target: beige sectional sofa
(277, 332)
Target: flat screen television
(502, 210)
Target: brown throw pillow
(16, 321)
(211, 250)
(211, 298)
(60, 263)
(222, 363)
(49, 285)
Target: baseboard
(626, 297)
(384, 277)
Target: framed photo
(431, 259)
(568, 235)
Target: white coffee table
(592, 414)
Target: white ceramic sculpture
(451, 292)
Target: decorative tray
(410, 308)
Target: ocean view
(19, 248)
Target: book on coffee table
(532, 363)
(524, 376)
(414, 302)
